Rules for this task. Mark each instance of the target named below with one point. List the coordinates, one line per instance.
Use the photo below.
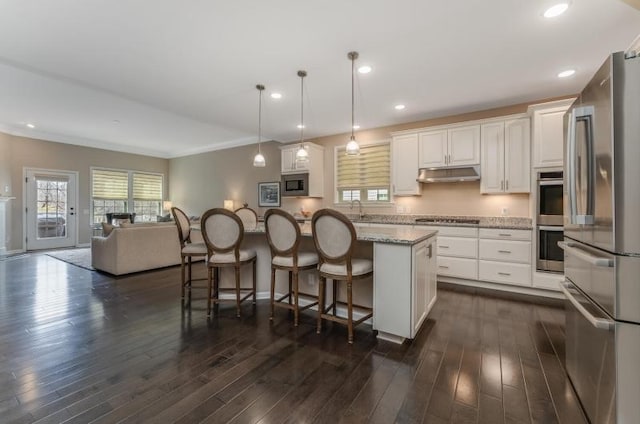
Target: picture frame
(269, 194)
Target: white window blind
(369, 169)
(109, 184)
(147, 186)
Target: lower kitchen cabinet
(504, 273)
(505, 256)
(407, 276)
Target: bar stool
(188, 250)
(223, 232)
(248, 216)
(283, 235)
(335, 239)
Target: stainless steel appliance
(549, 211)
(294, 185)
(549, 208)
(602, 242)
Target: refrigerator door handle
(572, 249)
(571, 165)
(601, 323)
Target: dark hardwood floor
(79, 347)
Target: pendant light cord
(353, 108)
(260, 88)
(302, 74)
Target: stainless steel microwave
(294, 185)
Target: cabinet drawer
(496, 233)
(506, 251)
(458, 246)
(502, 272)
(458, 267)
(451, 231)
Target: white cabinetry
(458, 146)
(457, 252)
(404, 165)
(288, 162)
(505, 256)
(406, 277)
(548, 133)
(505, 157)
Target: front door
(50, 213)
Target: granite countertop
(397, 235)
(501, 222)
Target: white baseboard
(80, 245)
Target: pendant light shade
(353, 148)
(302, 155)
(258, 159)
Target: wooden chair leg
(296, 311)
(273, 291)
(321, 293)
(182, 274)
(237, 268)
(216, 288)
(189, 272)
(335, 297)
(210, 289)
(254, 282)
(290, 285)
(350, 311)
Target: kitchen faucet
(360, 213)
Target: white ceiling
(179, 77)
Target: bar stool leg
(254, 281)
(321, 294)
(188, 282)
(273, 291)
(237, 268)
(182, 274)
(296, 312)
(335, 297)
(350, 311)
(290, 286)
(210, 289)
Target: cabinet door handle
(504, 235)
(504, 251)
(443, 247)
(443, 266)
(504, 273)
(501, 185)
(507, 185)
(430, 252)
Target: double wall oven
(550, 257)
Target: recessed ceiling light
(31, 126)
(356, 127)
(276, 96)
(399, 107)
(556, 10)
(300, 126)
(567, 73)
(116, 121)
(365, 69)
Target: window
(365, 177)
(116, 191)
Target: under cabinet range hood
(447, 175)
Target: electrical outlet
(6, 189)
(399, 209)
(504, 211)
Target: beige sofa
(138, 247)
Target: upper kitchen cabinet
(404, 165)
(456, 146)
(548, 133)
(289, 165)
(506, 160)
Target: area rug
(77, 257)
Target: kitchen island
(403, 286)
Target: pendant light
(302, 155)
(352, 146)
(258, 160)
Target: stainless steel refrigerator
(602, 242)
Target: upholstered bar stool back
(335, 237)
(223, 232)
(249, 217)
(188, 250)
(283, 235)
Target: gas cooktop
(448, 221)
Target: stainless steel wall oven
(549, 211)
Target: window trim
(130, 199)
(336, 194)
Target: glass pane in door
(51, 195)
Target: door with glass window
(50, 212)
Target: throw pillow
(106, 229)
(165, 218)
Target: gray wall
(16, 153)
(203, 181)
